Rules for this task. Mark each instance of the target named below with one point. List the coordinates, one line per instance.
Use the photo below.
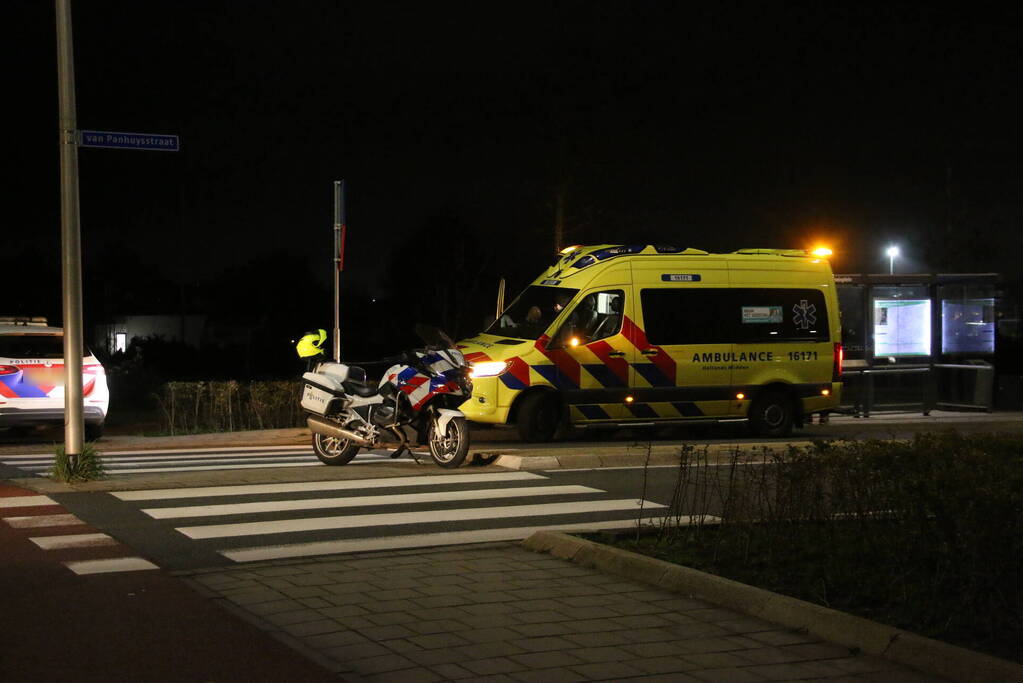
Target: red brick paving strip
(130, 626)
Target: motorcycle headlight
(488, 368)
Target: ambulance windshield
(532, 312)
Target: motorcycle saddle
(356, 383)
(360, 389)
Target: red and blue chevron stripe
(38, 382)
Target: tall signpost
(70, 230)
(340, 228)
(70, 239)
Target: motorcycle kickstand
(411, 452)
(402, 448)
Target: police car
(32, 377)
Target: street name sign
(143, 141)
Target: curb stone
(659, 455)
(902, 647)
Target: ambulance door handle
(617, 354)
(649, 352)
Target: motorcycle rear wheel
(333, 451)
(450, 450)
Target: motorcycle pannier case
(323, 386)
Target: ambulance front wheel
(539, 416)
(772, 415)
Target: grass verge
(924, 535)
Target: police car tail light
(8, 369)
(836, 370)
(488, 369)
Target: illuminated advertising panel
(902, 327)
(968, 326)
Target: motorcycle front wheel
(450, 450)
(333, 451)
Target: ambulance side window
(683, 316)
(781, 315)
(598, 316)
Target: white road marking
(182, 456)
(178, 459)
(271, 461)
(421, 517)
(144, 470)
(363, 501)
(38, 521)
(602, 469)
(662, 467)
(331, 485)
(72, 541)
(192, 451)
(417, 541)
(120, 564)
(26, 501)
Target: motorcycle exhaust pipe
(328, 428)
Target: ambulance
(647, 335)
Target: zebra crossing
(256, 522)
(198, 459)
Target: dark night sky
(730, 125)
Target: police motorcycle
(414, 403)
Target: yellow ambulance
(615, 335)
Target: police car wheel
(539, 416)
(332, 451)
(772, 415)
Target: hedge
(193, 407)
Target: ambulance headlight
(488, 368)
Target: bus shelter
(919, 342)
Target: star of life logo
(804, 315)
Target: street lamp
(893, 252)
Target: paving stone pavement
(503, 613)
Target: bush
(926, 535)
(193, 407)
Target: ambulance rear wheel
(539, 417)
(334, 451)
(772, 415)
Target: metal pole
(70, 234)
(500, 299)
(339, 260)
(891, 264)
